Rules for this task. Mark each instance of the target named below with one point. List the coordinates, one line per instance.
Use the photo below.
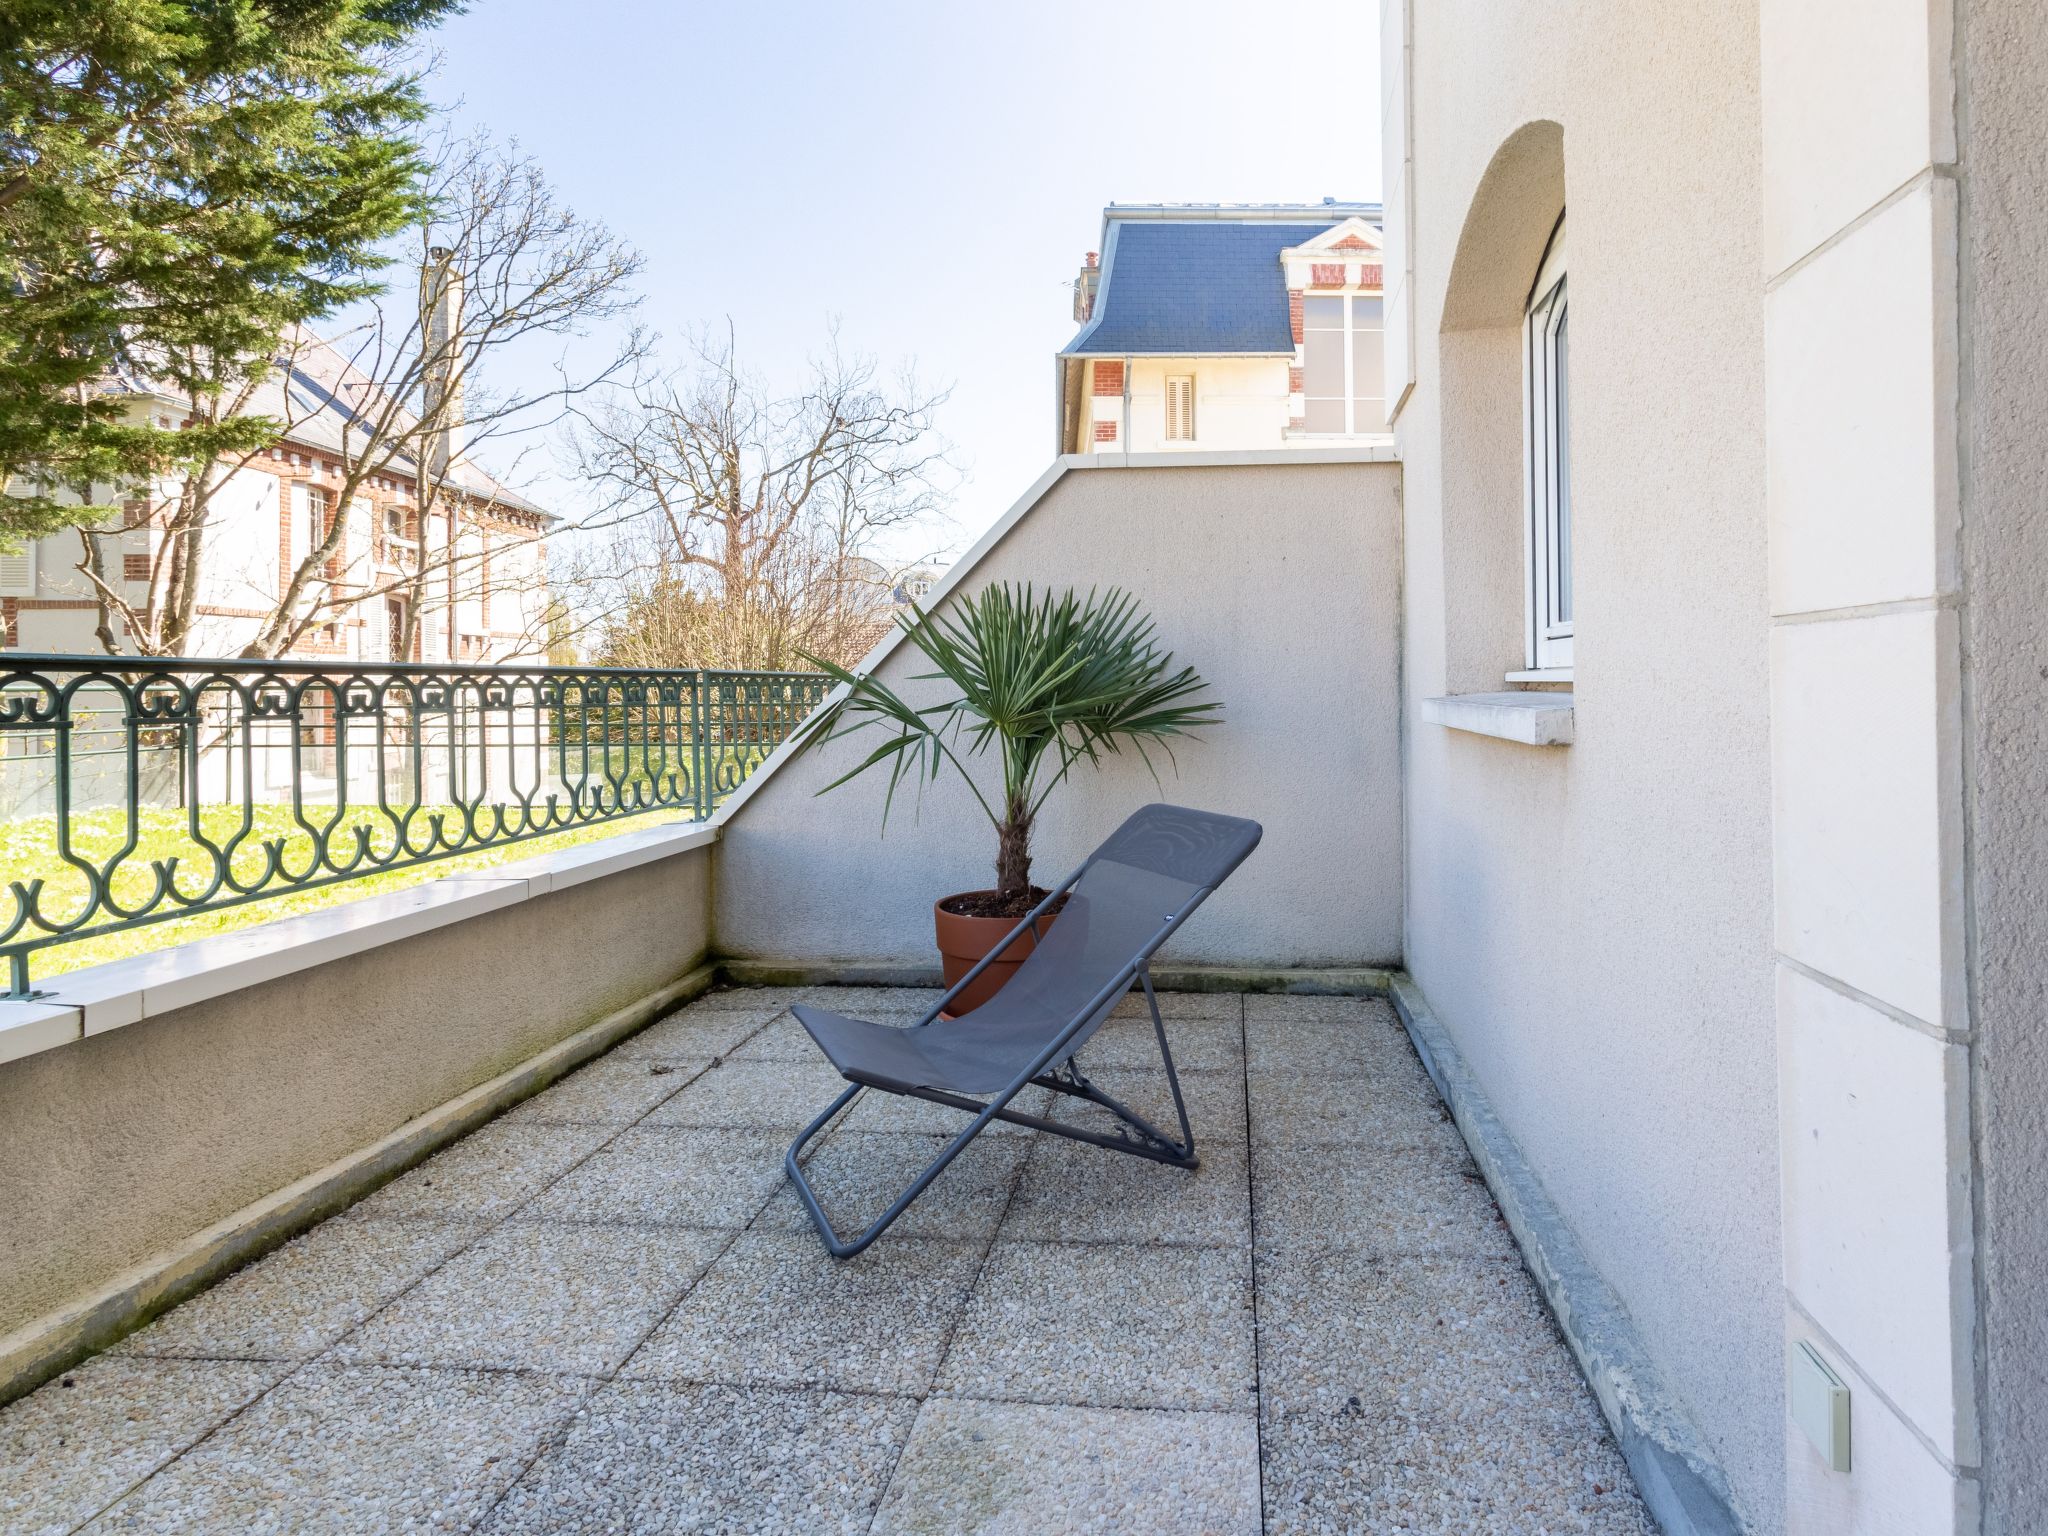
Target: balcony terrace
(606, 1311)
(461, 1206)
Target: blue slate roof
(1195, 288)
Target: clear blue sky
(929, 173)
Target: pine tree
(181, 183)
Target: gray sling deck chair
(1122, 904)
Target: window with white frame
(1343, 379)
(1180, 408)
(1547, 476)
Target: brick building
(483, 598)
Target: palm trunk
(1013, 851)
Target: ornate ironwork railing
(136, 790)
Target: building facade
(1221, 327)
(1723, 735)
(482, 596)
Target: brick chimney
(441, 341)
(1085, 286)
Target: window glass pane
(1324, 416)
(1366, 313)
(1366, 369)
(1323, 313)
(1560, 406)
(1322, 370)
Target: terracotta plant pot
(962, 943)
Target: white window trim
(1544, 441)
(1352, 428)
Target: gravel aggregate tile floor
(356, 1451)
(786, 1040)
(1407, 1204)
(1072, 1192)
(857, 1174)
(1182, 1005)
(610, 1091)
(1291, 1107)
(584, 1318)
(777, 1311)
(540, 1296)
(781, 1096)
(697, 1034)
(295, 1302)
(1199, 1044)
(1026, 1467)
(1108, 1327)
(1365, 1046)
(72, 1448)
(693, 1177)
(1349, 1472)
(1215, 1102)
(1441, 1337)
(488, 1173)
(900, 1113)
(645, 1457)
(1293, 1007)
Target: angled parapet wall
(1278, 581)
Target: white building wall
(1591, 923)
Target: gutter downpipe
(1126, 428)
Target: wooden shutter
(1180, 408)
(18, 572)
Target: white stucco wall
(1278, 583)
(1593, 923)
(2004, 190)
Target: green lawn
(28, 851)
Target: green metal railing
(136, 790)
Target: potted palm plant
(1042, 684)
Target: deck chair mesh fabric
(1122, 904)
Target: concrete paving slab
(1289, 1007)
(1393, 1204)
(1339, 1474)
(1388, 1110)
(857, 1175)
(977, 1466)
(1215, 1101)
(777, 1310)
(1198, 1044)
(488, 1173)
(646, 1457)
(696, 1034)
(1359, 1047)
(882, 1112)
(1183, 1005)
(1072, 1192)
(356, 1449)
(71, 1448)
(539, 1296)
(612, 1090)
(782, 1096)
(294, 1303)
(1443, 1337)
(670, 1175)
(1108, 1327)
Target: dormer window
(1342, 377)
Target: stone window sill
(1534, 719)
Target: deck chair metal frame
(1053, 1068)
